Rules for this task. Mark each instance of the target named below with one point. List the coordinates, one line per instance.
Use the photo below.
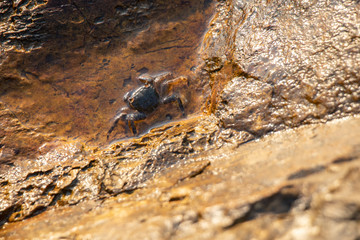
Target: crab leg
(117, 119)
(129, 118)
(134, 117)
(173, 98)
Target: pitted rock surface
(246, 105)
(273, 189)
(73, 173)
(307, 52)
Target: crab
(145, 99)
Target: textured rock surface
(308, 52)
(295, 184)
(266, 65)
(66, 65)
(73, 172)
(17, 141)
(245, 105)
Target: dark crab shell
(145, 99)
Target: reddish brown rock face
(66, 65)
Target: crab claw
(146, 79)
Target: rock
(272, 69)
(67, 64)
(17, 141)
(72, 172)
(223, 193)
(245, 105)
(311, 66)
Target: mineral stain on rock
(56, 79)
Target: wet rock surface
(72, 173)
(18, 141)
(307, 53)
(262, 66)
(245, 105)
(66, 65)
(293, 184)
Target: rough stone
(73, 172)
(307, 53)
(18, 141)
(66, 65)
(245, 105)
(229, 193)
(281, 77)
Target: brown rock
(246, 192)
(245, 105)
(270, 65)
(307, 53)
(67, 64)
